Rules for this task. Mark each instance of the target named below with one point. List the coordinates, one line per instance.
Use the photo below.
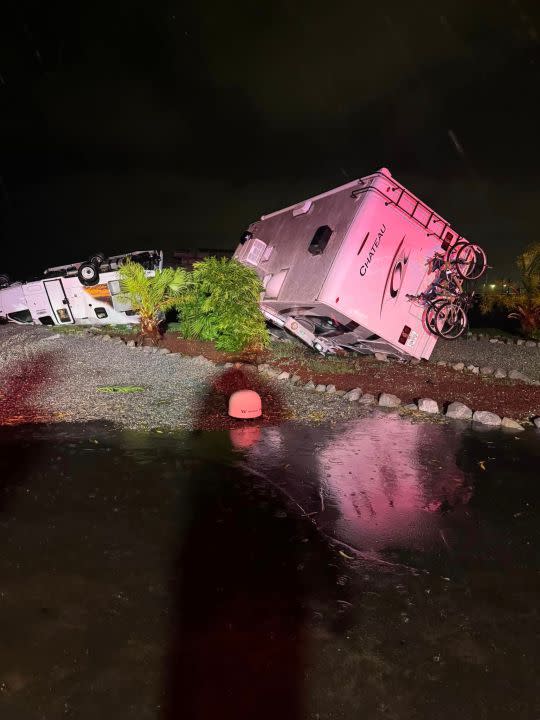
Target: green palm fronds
(221, 304)
(151, 296)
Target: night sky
(164, 124)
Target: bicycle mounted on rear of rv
(446, 302)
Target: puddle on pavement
(381, 566)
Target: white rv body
(341, 264)
(60, 298)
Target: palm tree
(524, 301)
(151, 296)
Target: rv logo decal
(364, 266)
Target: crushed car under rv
(366, 266)
(83, 293)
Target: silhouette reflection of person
(237, 621)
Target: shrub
(523, 302)
(151, 297)
(221, 304)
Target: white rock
(164, 351)
(500, 373)
(284, 375)
(459, 411)
(389, 400)
(130, 343)
(295, 379)
(320, 388)
(520, 342)
(410, 406)
(367, 399)
(105, 338)
(382, 357)
(203, 360)
(428, 406)
(458, 366)
(310, 385)
(530, 343)
(486, 370)
(507, 422)
(441, 363)
(493, 340)
(353, 395)
(330, 389)
(536, 422)
(227, 364)
(486, 418)
(517, 375)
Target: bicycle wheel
(430, 313)
(452, 252)
(450, 321)
(470, 262)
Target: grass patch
(119, 389)
(174, 327)
(115, 329)
(67, 329)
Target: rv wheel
(4, 280)
(88, 273)
(97, 258)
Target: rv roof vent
(320, 240)
(302, 209)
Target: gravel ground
(497, 355)
(48, 376)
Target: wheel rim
(430, 314)
(454, 250)
(471, 262)
(88, 273)
(450, 321)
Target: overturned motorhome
(82, 293)
(340, 268)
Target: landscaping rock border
(454, 410)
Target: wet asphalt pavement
(380, 568)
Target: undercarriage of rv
(328, 337)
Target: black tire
(430, 313)
(97, 258)
(4, 280)
(88, 273)
(452, 251)
(450, 321)
(471, 262)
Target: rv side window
(20, 316)
(320, 240)
(100, 312)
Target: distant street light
(492, 287)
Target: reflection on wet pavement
(380, 567)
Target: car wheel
(88, 273)
(97, 258)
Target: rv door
(59, 302)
